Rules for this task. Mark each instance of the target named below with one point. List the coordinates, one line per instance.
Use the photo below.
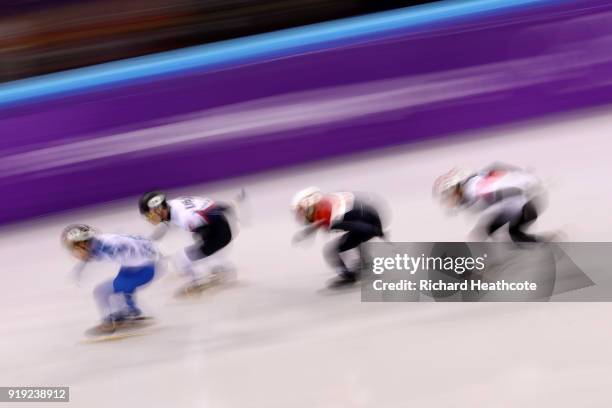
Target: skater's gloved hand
(307, 232)
(159, 232)
(77, 272)
(298, 237)
(164, 263)
(241, 196)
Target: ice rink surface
(274, 339)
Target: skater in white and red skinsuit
(206, 219)
(501, 193)
(342, 212)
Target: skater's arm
(159, 232)
(236, 206)
(307, 232)
(499, 166)
(239, 198)
(77, 272)
(232, 206)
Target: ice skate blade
(131, 328)
(341, 287)
(115, 337)
(192, 290)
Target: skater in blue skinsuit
(137, 257)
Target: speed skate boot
(345, 279)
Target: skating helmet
(445, 184)
(303, 201)
(151, 200)
(75, 233)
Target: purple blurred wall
(451, 78)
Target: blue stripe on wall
(247, 48)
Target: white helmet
(448, 181)
(306, 198)
(77, 233)
(303, 202)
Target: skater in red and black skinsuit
(338, 211)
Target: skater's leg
(371, 216)
(183, 262)
(369, 225)
(335, 249)
(219, 265)
(212, 239)
(528, 215)
(365, 230)
(130, 302)
(498, 215)
(364, 258)
(128, 281)
(102, 295)
(496, 223)
(217, 236)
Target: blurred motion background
(101, 100)
(43, 36)
(155, 85)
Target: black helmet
(150, 200)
